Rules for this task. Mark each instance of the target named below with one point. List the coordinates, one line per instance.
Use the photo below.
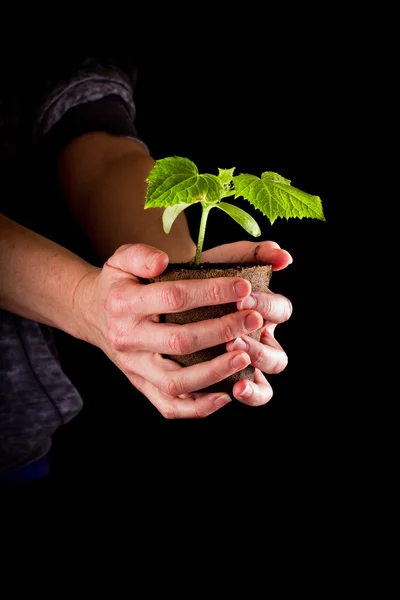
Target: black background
(258, 102)
(234, 109)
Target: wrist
(84, 307)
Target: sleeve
(96, 94)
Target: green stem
(200, 240)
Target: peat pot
(259, 277)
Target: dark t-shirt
(39, 114)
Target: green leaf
(170, 214)
(241, 217)
(275, 197)
(226, 176)
(175, 180)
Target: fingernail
(153, 258)
(240, 361)
(287, 253)
(241, 288)
(248, 302)
(252, 322)
(238, 344)
(248, 390)
(290, 256)
(222, 400)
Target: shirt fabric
(36, 122)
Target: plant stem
(200, 240)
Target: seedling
(175, 183)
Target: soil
(259, 277)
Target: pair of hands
(121, 315)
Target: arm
(102, 167)
(113, 310)
(111, 211)
(85, 122)
(103, 179)
(38, 278)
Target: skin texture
(103, 179)
(267, 355)
(124, 320)
(38, 278)
(113, 309)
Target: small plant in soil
(175, 184)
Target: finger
(178, 296)
(271, 253)
(267, 335)
(175, 380)
(168, 338)
(271, 358)
(180, 408)
(139, 259)
(267, 252)
(253, 393)
(274, 308)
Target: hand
(267, 355)
(121, 315)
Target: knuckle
(215, 374)
(258, 358)
(114, 301)
(168, 412)
(171, 386)
(280, 364)
(268, 304)
(200, 411)
(122, 248)
(180, 342)
(134, 251)
(173, 297)
(228, 328)
(214, 292)
(116, 339)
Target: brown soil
(259, 277)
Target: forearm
(38, 278)
(104, 182)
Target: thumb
(139, 259)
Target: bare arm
(103, 178)
(104, 182)
(38, 278)
(113, 310)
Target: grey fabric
(92, 81)
(83, 88)
(36, 397)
